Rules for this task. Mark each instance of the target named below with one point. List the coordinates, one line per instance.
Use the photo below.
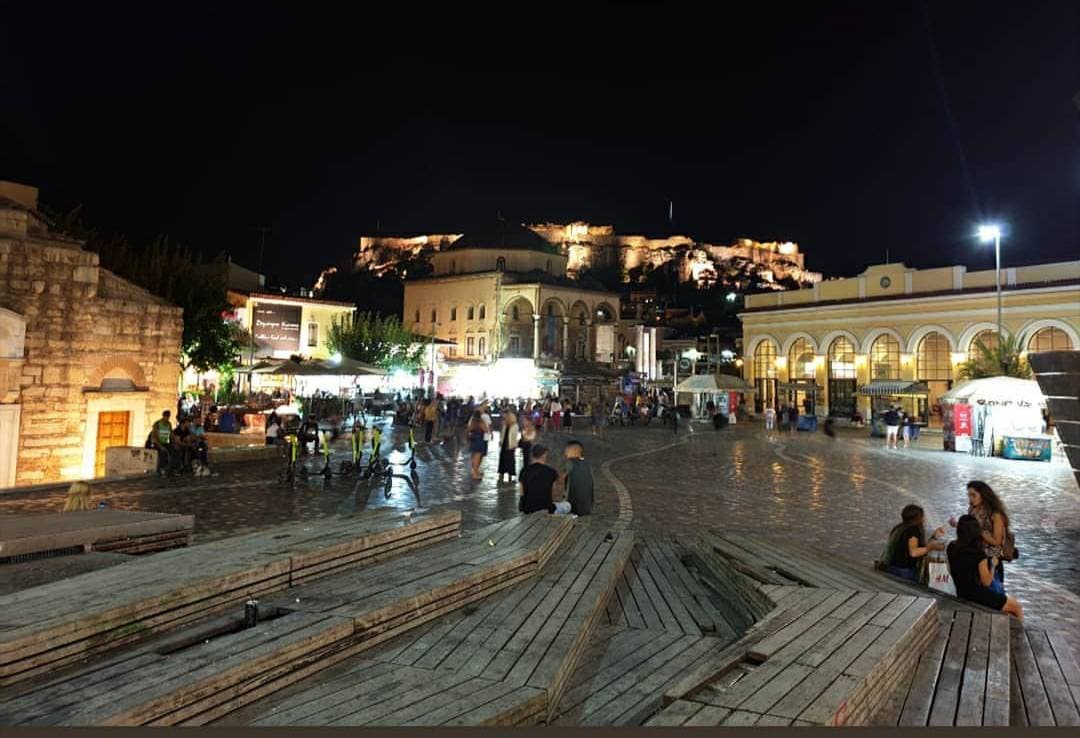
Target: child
(578, 479)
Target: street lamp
(988, 233)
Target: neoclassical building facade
(845, 340)
(503, 293)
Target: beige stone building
(896, 334)
(87, 360)
(503, 293)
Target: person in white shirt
(770, 418)
(556, 415)
(273, 432)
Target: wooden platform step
(193, 681)
(121, 531)
(1045, 679)
(57, 624)
(506, 661)
(822, 657)
(962, 678)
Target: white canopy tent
(711, 387)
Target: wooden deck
(57, 624)
(117, 531)
(202, 673)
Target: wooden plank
(1035, 699)
(973, 685)
(916, 709)
(673, 610)
(1017, 713)
(947, 694)
(1057, 689)
(1065, 656)
(474, 699)
(996, 709)
(674, 714)
(708, 716)
(847, 628)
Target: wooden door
(112, 431)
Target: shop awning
(894, 388)
(997, 390)
(799, 387)
(713, 383)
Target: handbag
(886, 554)
(941, 579)
(1009, 551)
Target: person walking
(987, 508)
(431, 414)
(526, 441)
(508, 443)
(556, 415)
(476, 432)
(793, 416)
(770, 419)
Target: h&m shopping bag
(941, 579)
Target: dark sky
(853, 128)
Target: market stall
(723, 390)
(996, 416)
(885, 393)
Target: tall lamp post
(988, 233)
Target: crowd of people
(975, 558)
(183, 449)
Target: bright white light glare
(731, 297)
(336, 358)
(988, 233)
(729, 355)
(692, 354)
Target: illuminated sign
(277, 327)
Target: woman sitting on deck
(908, 544)
(972, 571)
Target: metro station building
(864, 341)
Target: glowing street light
(987, 233)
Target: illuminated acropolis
(599, 246)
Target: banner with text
(277, 327)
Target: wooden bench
(505, 661)
(27, 535)
(197, 676)
(57, 624)
(1045, 679)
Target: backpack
(1009, 551)
(886, 553)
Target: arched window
(483, 345)
(841, 360)
(470, 312)
(453, 314)
(933, 362)
(483, 312)
(550, 310)
(1049, 339)
(765, 375)
(801, 360)
(500, 264)
(885, 358)
(514, 315)
(987, 338)
(581, 318)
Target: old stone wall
(83, 325)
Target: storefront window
(841, 360)
(933, 361)
(1050, 339)
(988, 339)
(885, 358)
(765, 375)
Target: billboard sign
(277, 327)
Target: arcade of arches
(845, 362)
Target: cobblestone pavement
(840, 494)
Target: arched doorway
(841, 359)
(605, 333)
(517, 329)
(933, 366)
(885, 358)
(802, 369)
(765, 375)
(551, 328)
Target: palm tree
(1005, 359)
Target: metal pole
(997, 278)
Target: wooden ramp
(119, 531)
(61, 623)
(504, 661)
(204, 673)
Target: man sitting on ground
(537, 481)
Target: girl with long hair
(973, 571)
(908, 544)
(986, 507)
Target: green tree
(373, 339)
(1005, 360)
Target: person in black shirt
(537, 481)
(909, 544)
(972, 572)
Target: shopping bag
(941, 579)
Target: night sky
(855, 128)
